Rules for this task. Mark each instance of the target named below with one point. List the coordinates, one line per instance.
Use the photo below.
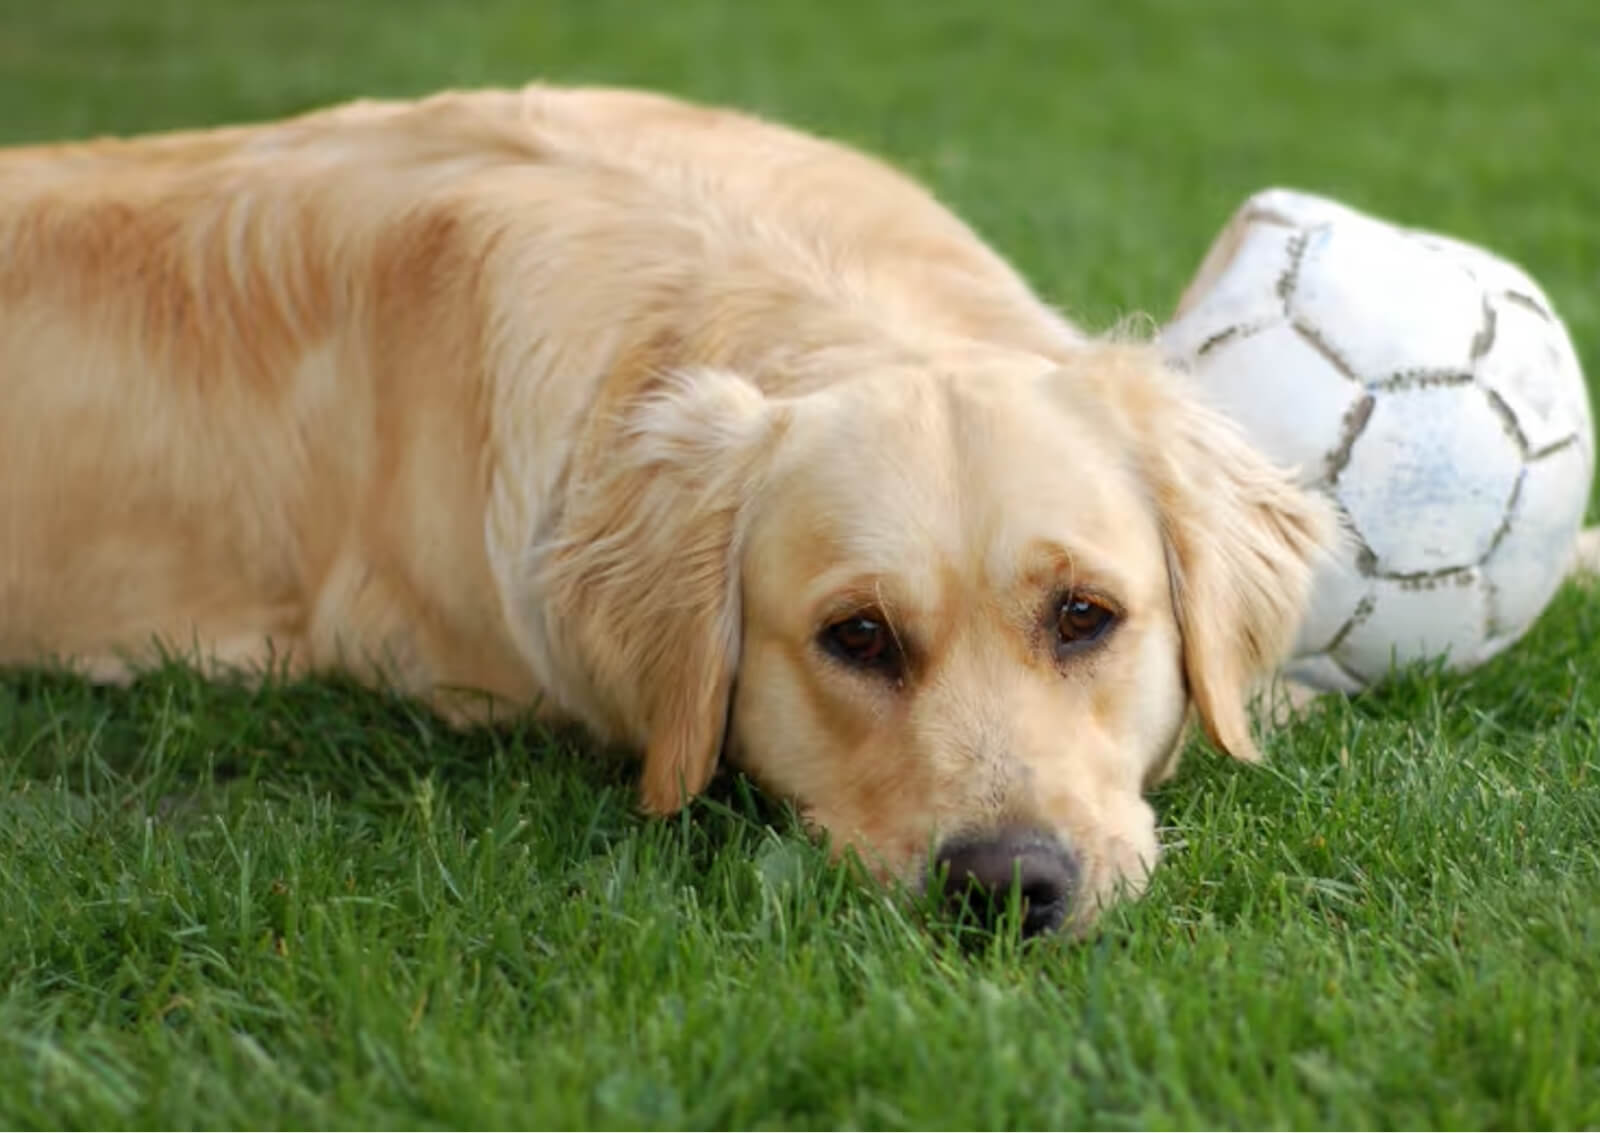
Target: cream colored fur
(602, 405)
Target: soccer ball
(1429, 389)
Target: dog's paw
(1281, 701)
(1585, 562)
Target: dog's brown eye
(865, 641)
(1080, 622)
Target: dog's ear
(642, 581)
(1242, 538)
(1243, 543)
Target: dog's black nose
(980, 870)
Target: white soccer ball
(1429, 389)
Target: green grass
(308, 906)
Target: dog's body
(309, 390)
(685, 426)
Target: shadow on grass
(179, 748)
(329, 734)
(183, 750)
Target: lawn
(308, 906)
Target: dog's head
(959, 620)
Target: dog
(717, 438)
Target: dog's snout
(980, 871)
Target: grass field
(309, 907)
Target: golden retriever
(705, 433)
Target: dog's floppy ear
(1243, 542)
(1242, 538)
(643, 580)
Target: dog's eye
(865, 641)
(1080, 622)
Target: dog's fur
(607, 405)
